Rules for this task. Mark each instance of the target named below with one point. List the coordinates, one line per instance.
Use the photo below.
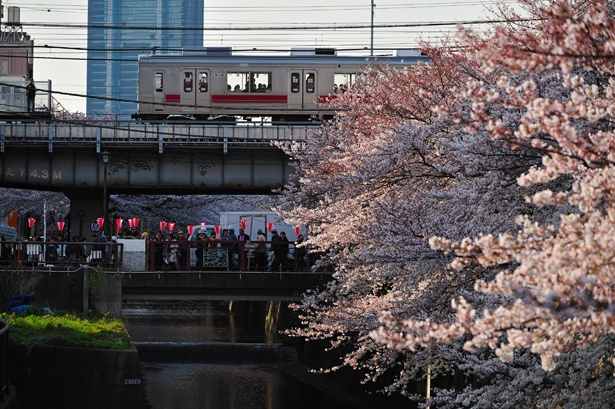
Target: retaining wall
(50, 377)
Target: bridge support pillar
(84, 210)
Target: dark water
(249, 379)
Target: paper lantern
(297, 230)
(171, 227)
(136, 222)
(243, 223)
(269, 227)
(31, 221)
(190, 230)
(217, 227)
(60, 226)
(100, 222)
(203, 224)
(118, 224)
(163, 225)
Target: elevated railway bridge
(164, 158)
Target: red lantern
(243, 223)
(136, 221)
(203, 224)
(297, 230)
(118, 224)
(171, 227)
(269, 227)
(60, 226)
(190, 230)
(163, 225)
(31, 221)
(131, 223)
(217, 227)
(100, 222)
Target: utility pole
(372, 31)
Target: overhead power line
(269, 28)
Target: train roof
(297, 56)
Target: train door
(303, 89)
(159, 91)
(195, 92)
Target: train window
(261, 82)
(310, 83)
(341, 82)
(203, 82)
(159, 79)
(295, 82)
(248, 82)
(188, 82)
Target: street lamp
(105, 158)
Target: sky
(67, 68)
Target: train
(219, 84)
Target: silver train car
(216, 84)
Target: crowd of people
(170, 251)
(237, 250)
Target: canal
(229, 355)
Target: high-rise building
(119, 31)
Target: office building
(119, 31)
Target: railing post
(160, 140)
(2, 138)
(225, 142)
(50, 129)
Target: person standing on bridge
(182, 253)
(200, 250)
(30, 94)
(261, 250)
(242, 239)
(275, 248)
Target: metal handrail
(23, 254)
(123, 133)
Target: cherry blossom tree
(379, 181)
(557, 279)
(451, 149)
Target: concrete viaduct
(143, 159)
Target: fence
(189, 255)
(23, 254)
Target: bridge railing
(187, 255)
(34, 254)
(121, 133)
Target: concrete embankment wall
(51, 377)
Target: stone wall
(80, 378)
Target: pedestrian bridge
(220, 285)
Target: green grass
(84, 330)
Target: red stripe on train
(172, 98)
(259, 98)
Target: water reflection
(202, 321)
(178, 375)
(193, 386)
